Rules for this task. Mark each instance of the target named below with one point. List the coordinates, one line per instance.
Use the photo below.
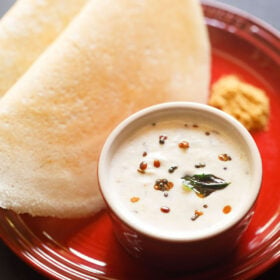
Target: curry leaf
(204, 184)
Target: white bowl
(183, 249)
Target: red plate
(87, 249)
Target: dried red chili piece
(165, 209)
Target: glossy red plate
(87, 249)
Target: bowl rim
(161, 109)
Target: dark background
(12, 268)
(268, 10)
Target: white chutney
(178, 210)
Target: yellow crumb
(134, 199)
(247, 103)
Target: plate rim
(241, 13)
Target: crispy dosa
(26, 30)
(116, 57)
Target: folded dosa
(26, 30)
(116, 57)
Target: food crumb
(142, 167)
(163, 185)
(200, 165)
(162, 139)
(156, 163)
(247, 103)
(135, 199)
(172, 169)
(184, 145)
(224, 157)
(227, 209)
(196, 215)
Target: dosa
(116, 56)
(26, 30)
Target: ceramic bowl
(179, 250)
